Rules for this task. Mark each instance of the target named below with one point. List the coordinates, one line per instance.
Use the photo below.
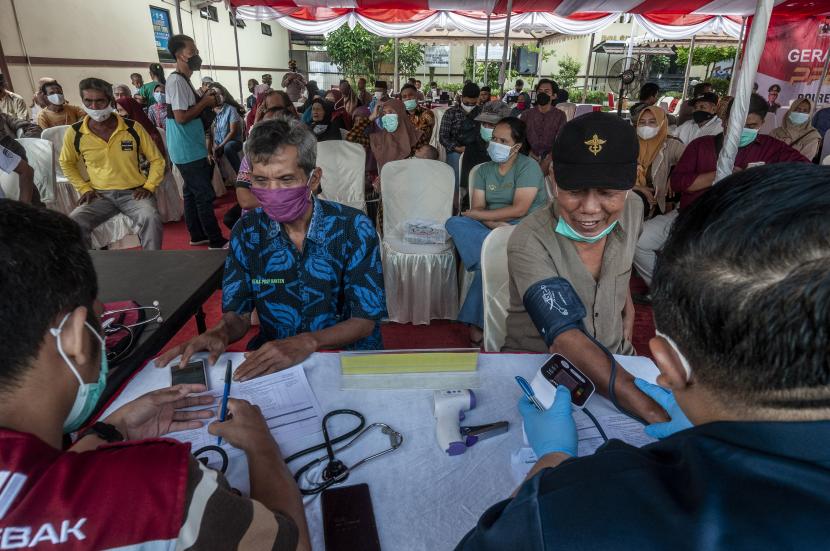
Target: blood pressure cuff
(554, 307)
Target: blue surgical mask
(798, 118)
(390, 122)
(160, 97)
(88, 394)
(748, 136)
(410, 104)
(486, 133)
(563, 228)
(499, 152)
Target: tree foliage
(565, 77)
(705, 55)
(358, 53)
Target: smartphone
(194, 373)
(349, 520)
(558, 370)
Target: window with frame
(210, 13)
(239, 23)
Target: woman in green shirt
(147, 89)
(504, 191)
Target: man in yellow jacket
(112, 149)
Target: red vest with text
(118, 495)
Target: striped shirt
(217, 518)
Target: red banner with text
(793, 60)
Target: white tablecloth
(423, 499)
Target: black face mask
(194, 63)
(702, 116)
(542, 98)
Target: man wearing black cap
(704, 121)
(585, 240)
(458, 126)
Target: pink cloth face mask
(284, 205)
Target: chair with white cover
(169, 195)
(436, 132)
(583, 109)
(420, 280)
(496, 287)
(665, 103)
(568, 108)
(344, 173)
(825, 148)
(118, 232)
(41, 158)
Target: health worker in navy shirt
(740, 295)
(311, 268)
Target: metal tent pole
(179, 15)
(821, 82)
(740, 106)
(502, 69)
(238, 61)
(737, 61)
(397, 74)
(588, 68)
(688, 70)
(487, 52)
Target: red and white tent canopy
(668, 19)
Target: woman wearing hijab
(659, 152)
(322, 125)
(130, 109)
(312, 92)
(398, 138)
(350, 100)
(796, 130)
(338, 110)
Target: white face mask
(683, 361)
(55, 99)
(799, 118)
(99, 115)
(647, 132)
(467, 108)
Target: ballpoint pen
(224, 412)
(525, 386)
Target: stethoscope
(335, 471)
(110, 327)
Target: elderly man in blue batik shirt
(311, 268)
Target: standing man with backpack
(111, 147)
(188, 121)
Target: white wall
(82, 36)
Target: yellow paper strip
(416, 362)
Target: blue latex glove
(553, 430)
(665, 398)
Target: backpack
(207, 116)
(130, 130)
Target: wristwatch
(105, 432)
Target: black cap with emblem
(596, 150)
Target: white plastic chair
(41, 158)
(420, 279)
(496, 287)
(568, 108)
(344, 173)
